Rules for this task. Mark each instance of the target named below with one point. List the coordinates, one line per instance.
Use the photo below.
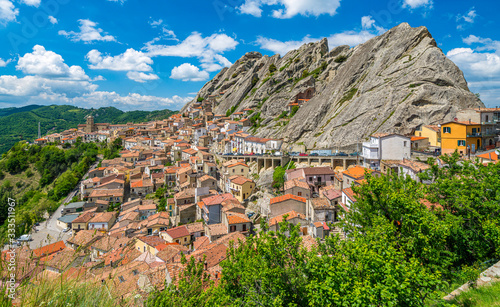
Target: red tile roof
(287, 197)
(291, 215)
(178, 232)
(49, 249)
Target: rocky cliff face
(392, 83)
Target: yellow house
(460, 135)
(432, 132)
(241, 187)
(152, 244)
(178, 234)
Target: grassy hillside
(38, 178)
(22, 123)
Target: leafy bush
(340, 59)
(272, 68)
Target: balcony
(370, 145)
(474, 135)
(370, 155)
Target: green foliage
(113, 149)
(414, 85)
(294, 110)
(234, 75)
(200, 99)
(340, 59)
(272, 68)
(255, 79)
(482, 296)
(348, 96)
(189, 288)
(279, 175)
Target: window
(185, 239)
(331, 178)
(244, 227)
(233, 170)
(310, 178)
(232, 228)
(404, 143)
(299, 193)
(446, 129)
(242, 170)
(461, 143)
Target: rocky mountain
(392, 83)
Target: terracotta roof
(320, 170)
(84, 217)
(240, 180)
(106, 192)
(152, 240)
(49, 249)
(103, 217)
(290, 184)
(332, 194)
(205, 178)
(291, 215)
(287, 197)
(321, 224)
(320, 203)
(84, 237)
(467, 123)
(493, 156)
(433, 127)
(178, 232)
(430, 205)
(416, 166)
(418, 138)
(349, 193)
(217, 229)
(237, 218)
(141, 183)
(356, 172)
(195, 227)
(200, 242)
(216, 199)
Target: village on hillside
(191, 184)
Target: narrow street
(48, 232)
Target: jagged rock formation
(391, 83)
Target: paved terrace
(265, 162)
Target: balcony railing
(474, 135)
(371, 155)
(370, 145)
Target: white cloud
(413, 4)
(52, 20)
(118, 1)
(481, 66)
(141, 77)
(35, 85)
(291, 7)
(188, 72)
(208, 49)
(88, 33)
(35, 3)
(4, 63)
(8, 12)
(156, 23)
(367, 22)
(49, 64)
(469, 17)
(251, 7)
(351, 38)
(130, 60)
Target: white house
(385, 146)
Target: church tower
(90, 127)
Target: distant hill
(22, 123)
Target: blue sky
(146, 55)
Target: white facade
(387, 147)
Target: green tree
(272, 68)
